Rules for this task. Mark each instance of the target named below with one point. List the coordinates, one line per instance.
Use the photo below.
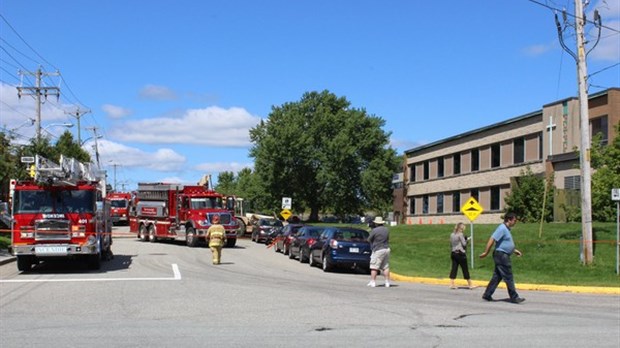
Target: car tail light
(333, 243)
(311, 241)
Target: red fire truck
(179, 212)
(119, 207)
(60, 213)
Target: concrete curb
(599, 290)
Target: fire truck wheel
(142, 233)
(190, 237)
(24, 263)
(152, 237)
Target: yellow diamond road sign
(471, 209)
(286, 214)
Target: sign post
(472, 209)
(615, 196)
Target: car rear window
(351, 235)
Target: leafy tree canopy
(324, 154)
(605, 159)
(527, 196)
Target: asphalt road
(166, 294)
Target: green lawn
(424, 251)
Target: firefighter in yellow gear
(216, 235)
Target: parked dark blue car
(340, 247)
(302, 240)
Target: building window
(599, 125)
(457, 163)
(540, 146)
(495, 194)
(495, 156)
(456, 202)
(412, 205)
(475, 160)
(474, 193)
(572, 182)
(425, 204)
(426, 170)
(519, 150)
(440, 203)
(412, 173)
(440, 167)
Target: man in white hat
(380, 258)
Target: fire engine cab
(60, 213)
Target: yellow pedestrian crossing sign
(286, 214)
(471, 209)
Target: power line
(26, 43)
(571, 15)
(20, 52)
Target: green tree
(69, 147)
(324, 154)
(527, 196)
(226, 183)
(605, 160)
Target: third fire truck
(119, 207)
(179, 212)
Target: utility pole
(584, 118)
(78, 114)
(96, 137)
(115, 165)
(37, 90)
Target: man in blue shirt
(504, 247)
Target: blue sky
(174, 86)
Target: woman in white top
(458, 242)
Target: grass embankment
(5, 240)
(554, 258)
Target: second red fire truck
(178, 212)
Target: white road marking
(175, 271)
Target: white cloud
(160, 160)
(401, 145)
(538, 49)
(114, 111)
(608, 47)
(155, 92)
(219, 167)
(212, 126)
(18, 114)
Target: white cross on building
(550, 128)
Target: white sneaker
(387, 284)
(372, 284)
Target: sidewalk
(5, 257)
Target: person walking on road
(380, 257)
(504, 247)
(216, 235)
(458, 241)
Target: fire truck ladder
(68, 172)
